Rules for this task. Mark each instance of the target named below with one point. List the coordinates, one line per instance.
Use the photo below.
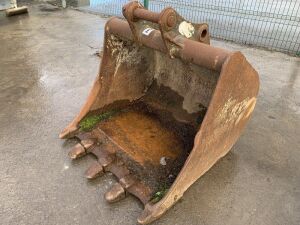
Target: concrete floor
(46, 69)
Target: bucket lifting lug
(169, 22)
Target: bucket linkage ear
(169, 22)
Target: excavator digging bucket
(164, 108)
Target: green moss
(157, 196)
(89, 122)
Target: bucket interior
(154, 106)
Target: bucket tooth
(142, 192)
(115, 194)
(95, 170)
(87, 143)
(86, 139)
(118, 170)
(105, 161)
(127, 181)
(77, 151)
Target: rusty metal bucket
(164, 108)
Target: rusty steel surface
(181, 103)
(168, 22)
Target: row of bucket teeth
(108, 162)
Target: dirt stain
(143, 137)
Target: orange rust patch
(142, 137)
